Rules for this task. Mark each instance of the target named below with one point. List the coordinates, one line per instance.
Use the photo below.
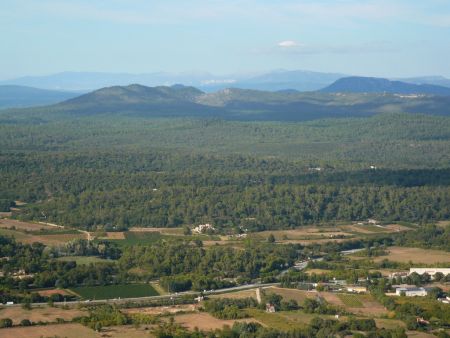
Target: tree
(5, 322)
(271, 238)
(25, 322)
(98, 327)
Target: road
(140, 299)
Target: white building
(411, 291)
(430, 271)
(357, 289)
(202, 228)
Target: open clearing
(164, 231)
(415, 255)
(25, 226)
(115, 235)
(364, 305)
(46, 239)
(283, 320)
(350, 300)
(115, 291)
(56, 330)
(157, 310)
(47, 293)
(45, 314)
(304, 233)
(237, 295)
(125, 331)
(288, 294)
(204, 321)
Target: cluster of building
(202, 228)
(414, 291)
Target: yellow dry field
(302, 233)
(163, 231)
(47, 293)
(24, 226)
(126, 331)
(43, 314)
(204, 321)
(237, 295)
(158, 310)
(415, 255)
(370, 306)
(51, 239)
(56, 330)
(371, 229)
(115, 235)
(288, 294)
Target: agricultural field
(350, 300)
(323, 234)
(158, 310)
(204, 321)
(237, 295)
(363, 304)
(115, 291)
(162, 231)
(25, 226)
(46, 239)
(283, 320)
(55, 330)
(29, 232)
(45, 314)
(84, 260)
(288, 294)
(415, 255)
(49, 292)
(135, 238)
(114, 235)
(125, 331)
(302, 234)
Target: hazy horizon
(372, 38)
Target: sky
(389, 38)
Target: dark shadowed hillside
(235, 104)
(377, 85)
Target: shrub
(6, 322)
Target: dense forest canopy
(115, 172)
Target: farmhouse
(203, 228)
(270, 308)
(398, 274)
(357, 289)
(411, 291)
(430, 271)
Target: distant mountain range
(235, 104)
(21, 96)
(433, 80)
(279, 80)
(357, 84)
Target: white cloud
(288, 44)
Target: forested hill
(138, 100)
(356, 84)
(233, 104)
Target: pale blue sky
(378, 38)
